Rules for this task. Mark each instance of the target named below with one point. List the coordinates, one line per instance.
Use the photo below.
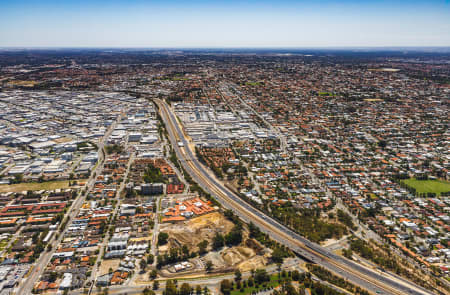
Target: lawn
(253, 83)
(3, 244)
(273, 283)
(428, 186)
(35, 186)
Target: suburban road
(212, 281)
(95, 268)
(373, 281)
(28, 283)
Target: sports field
(428, 186)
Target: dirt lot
(253, 263)
(106, 264)
(241, 257)
(197, 229)
(247, 256)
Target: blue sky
(139, 23)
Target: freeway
(375, 282)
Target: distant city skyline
(213, 24)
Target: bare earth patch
(197, 229)
(107, 264)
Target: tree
(261, 276)
(153, 274)
(185, 289)
(143, 264)
(198, 290)
(35, 237)
(238, 285)
(237, 275)
(254, 230)
(218, 241)
(18, 178)
(250, 282)
(171, 288)
(153, 175)
(345, 219)
(289, 289)
(159, 261)
(202, 247)
(155, 285)
(185, 250)
(162, 238)
(296, 275)
(53, 276)
(234, 237)
(147, 291)
(150, 259)
(230, 215)
(209, 265)
(225, 287)
(278, 256)
(348, 253)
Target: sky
(213, 24)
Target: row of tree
(307, 222)
(153, 175)
(385, 259)
(326, 275)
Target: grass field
(428, 186)
(3, 244)
(253, 83)
(35, 186)
(273, 283)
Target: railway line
(375, 282)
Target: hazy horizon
(224, 24)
